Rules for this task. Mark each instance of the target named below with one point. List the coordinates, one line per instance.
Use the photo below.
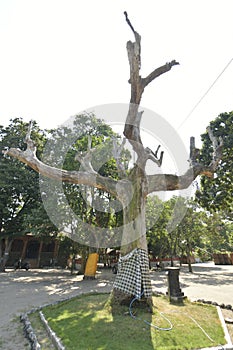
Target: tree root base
(118, 299)
(89, 277)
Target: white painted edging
(56, 341)
(228, 346)
(226, 333)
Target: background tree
(162, 236)
(156, 224)
(177, 230)
(216, 194)
(19, 190)
(83, 199)
(190, 232)
(135, 185)
(218, 233)
(199, 234)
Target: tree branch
(194, 152)
(170, 182)
(157, 72)
(132, 124)
(128, 21)
(86, 158)
(217, 148)
(88, 178)
(31, 146)
(117, 150)
(153, 156)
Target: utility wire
(207, 91)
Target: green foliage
(217, 193)
(180, 227)
(19, 186)
(219, 236)
(169, 224)
(22, 208)
(91, 205)
(156, 222)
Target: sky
(59, 58)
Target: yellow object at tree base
(91, 265)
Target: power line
(207, 91)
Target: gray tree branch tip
(153, 156)
(128, 22)
(156, 152)
(173, 63)
(161, 158)
(31, 145)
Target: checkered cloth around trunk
(133, 274)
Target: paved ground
(20, 291)
(208, 281)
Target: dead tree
(133, 275)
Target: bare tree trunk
(189, 250)
(5, 254)
(1, 256)
(134, 234)
(134, 251)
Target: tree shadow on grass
(92, 325)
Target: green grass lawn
(87, 323)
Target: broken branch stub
(217, 144)
(85, 159)
(217, 149)
(31, 146)
(117, 152)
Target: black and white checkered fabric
(133, 274)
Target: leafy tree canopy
(217, 193)
(19, 190)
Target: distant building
(33, 249)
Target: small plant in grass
(88, 323)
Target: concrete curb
(30, 333)
(56, 341)
(227, 336)
(227, 346)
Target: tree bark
(5, 253)
(134, 240)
